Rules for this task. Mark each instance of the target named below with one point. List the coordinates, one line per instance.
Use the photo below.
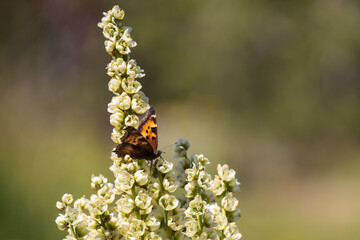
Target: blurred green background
(270, 87)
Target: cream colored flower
(196, 206)
(60, 205)
(191, 228)
(139, 105)
(117, 119)
(191, 173)
(142, 200)
(152, 222)
(218, 186)
(152, 236)
(164, 166)
(124, 181)
(131, 120)
(204, 180)
(114, 85)
(125, 204)
(169, 184)
(130, 85)
(116, 67)
(141, 177)
(81, 203)
(107, 192)
(222, 220)
(202, 159)
(116, 135)
(117, 12)
(97, 205)
(231, 232)
(229, 203)
(98, 182)
(190, 189)
(154, 189)
(176, 222)
(67, 198)
(225, 173)
(168, 202)
(62, 222)
(137, 228)
(134, 71)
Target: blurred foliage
(270, 87)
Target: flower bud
(117, 119)
(61, 206)
(190, 189)
(114, 85)
(62, 223)
(141, 177)
(117, 12)
(191, 173)
(131, 120)
(154, 189)
(67, 198)
(202, 159)
(98, 182)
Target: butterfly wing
(148, 128)
(133, 143)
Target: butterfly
(141, 143)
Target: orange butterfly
(141, 143)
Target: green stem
(137, 211)
(161, 178)
(103, 224)
(73, 231)
(162, 190)
(200, 223)
(168, 230)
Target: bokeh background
(270, 87)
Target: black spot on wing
(148, 115)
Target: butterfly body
(140, 143)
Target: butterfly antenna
(168, 146)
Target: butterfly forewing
(148, 128)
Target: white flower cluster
(129, 102)
(141, 204)
(211, 208)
